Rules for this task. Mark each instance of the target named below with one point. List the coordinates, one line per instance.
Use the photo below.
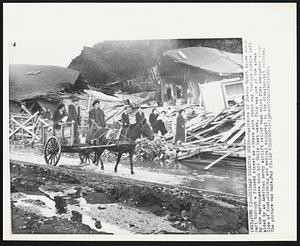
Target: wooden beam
(44, 122)
(193, 135)
(236, 136)
(204, 139)
(72, 133)
(236, 127)
(221, 158)
(25, 109)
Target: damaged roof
(209, 59)
(31, 81)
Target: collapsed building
(41, 87)
(207, 77)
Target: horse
(125, 143)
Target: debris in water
(60, 204)
(76, 216)
(98, 224)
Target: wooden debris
(215, 134)
(221, 158)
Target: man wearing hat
(74, 115)
(96, 116)
(139, 116)
(125, 117)
(96, 120)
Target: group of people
(60, 115)
(96, 117)
(159, 121)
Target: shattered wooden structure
(214, 139)
(26, 128)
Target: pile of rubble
(222, 135)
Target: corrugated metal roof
(209, 59)
(29, 81)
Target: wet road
(216, 179)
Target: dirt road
(68, 199)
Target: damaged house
(203, 76)
(41, 87)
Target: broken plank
(204, 139)
(232, 130)
(211, 128)
(193, 135)
(236, 136)
(221, 158)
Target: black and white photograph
(121, 135)
(132, 137)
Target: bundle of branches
(157, 149)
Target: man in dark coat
(58, 115)
(153, 120)
(96, 116)
(74, 115)
(180, 127)
(125, 118)
(96, 120)
(139, 116)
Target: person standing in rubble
(74, 115)
(139, 116)
(180, 127)
(153, 120)
(161, 123)
(96, 120)
(125, 117)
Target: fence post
(72, 133)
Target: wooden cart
(62, 141)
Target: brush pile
(154, 150)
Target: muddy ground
(47, 199)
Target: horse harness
(99, 128)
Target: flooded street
(217, 179)
(160, 198)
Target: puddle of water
(47, 210)
(44, 206)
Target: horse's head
(146, 130)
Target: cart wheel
(52, 151)
(87, 157)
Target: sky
(54, 34)
(45, 35)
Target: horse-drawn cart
(63, 141)
(120, 141)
